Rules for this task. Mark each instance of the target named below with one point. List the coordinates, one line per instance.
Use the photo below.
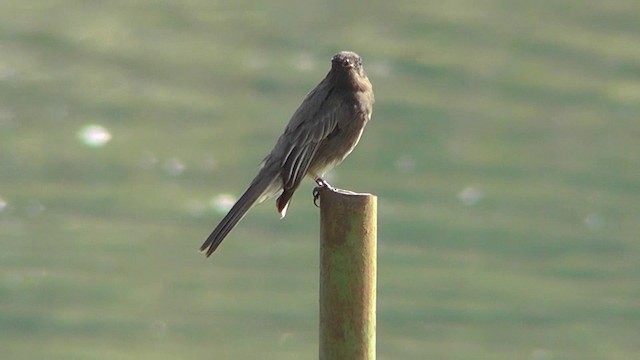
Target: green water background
(504, 149)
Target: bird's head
(347, 61)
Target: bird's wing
(314, 120)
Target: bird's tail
(261, 188)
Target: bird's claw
(316, 195)
(322, 184)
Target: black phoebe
(321, 133)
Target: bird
(321, 133)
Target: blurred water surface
(503, 148)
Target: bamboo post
(347, 275)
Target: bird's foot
(322, 184)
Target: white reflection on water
(470, 195)
(285, 338)
(540, 354)
(594, 221)
(159, 329)
(208, 164)
(3, 204)
(222, 203)
(148, 160)
(174, 166)
(378, 69)
(304, 62)
(405, 163)
(255, 61)
(94, 135)
(34, 208)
